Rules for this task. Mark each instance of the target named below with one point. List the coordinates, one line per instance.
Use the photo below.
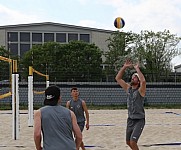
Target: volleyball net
(14, 92)
(6, 76)
(32, 91)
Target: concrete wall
(2, 37)
(99, 38)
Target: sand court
(107, 131)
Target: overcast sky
(152, 15)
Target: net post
(31, 91)
(47, 81)
(15, 101)
(30, 97)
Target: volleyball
(119, 22)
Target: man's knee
(128, 143)
(133, 145)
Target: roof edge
(56, 24)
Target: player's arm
(86, 114)
(119, 76)
(76, 130)
(37, 130)
(68, 104)
(142, 88)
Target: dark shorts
(81, 125)
(134, 129)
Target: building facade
(20, 38)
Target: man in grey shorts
(135, 99)
(78, 106)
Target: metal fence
(98, 93)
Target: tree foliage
(157, 50)
(120, 48)
(154, 52)
(5, 66)
(75, 61)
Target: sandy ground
(107, 131)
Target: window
(48, 37)
(24, 48)
(12, 36)
(72, 36)
(13, 48)
(37, 37)
(61, 37)
(85, 37)
(24, 37)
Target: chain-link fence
(98, 93)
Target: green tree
(120, 48)
(157, 50)
(154, 51)
(81, 62)
(75, 61)
(41, 57)
(5, 66)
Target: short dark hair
(74, 88)
(52, 94)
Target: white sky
(152, 15)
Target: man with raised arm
(135, 101)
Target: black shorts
(134, 129)
(81, 125)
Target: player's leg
(138, 128)
(129, 144)
(129, 130)
(82, 146)
(134, 145)
(81, 126)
